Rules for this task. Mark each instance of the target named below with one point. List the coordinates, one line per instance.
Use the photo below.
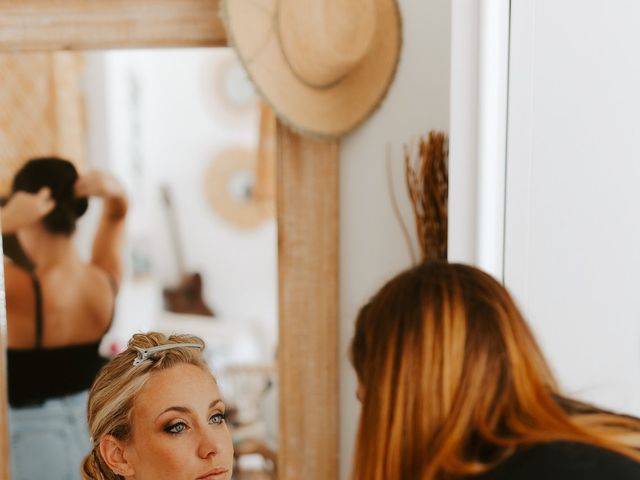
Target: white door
(572, 220)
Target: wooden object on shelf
(186, 296)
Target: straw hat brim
(326, 113)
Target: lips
(219, 473)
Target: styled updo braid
(93, 468)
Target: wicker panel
(41, 110)
(68, 70)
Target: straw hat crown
(324, 51)
(323, 65)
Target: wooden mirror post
(307, 215)
(307, 190)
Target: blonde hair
(454, 381)
(116, 386)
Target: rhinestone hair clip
(145, 353)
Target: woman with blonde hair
(454, 386)
(155, 413)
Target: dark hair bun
(59, 176)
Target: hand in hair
(96, 183)
(108, 242)
(24, 209)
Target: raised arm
(24, 209)
(107, 250)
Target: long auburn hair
(454, 381)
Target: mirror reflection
(175, 155)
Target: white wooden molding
(477, 160)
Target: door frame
(480, 39)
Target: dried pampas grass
(427, 176)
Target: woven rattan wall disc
(230, 184)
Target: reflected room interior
(186, 134)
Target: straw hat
(323, 65)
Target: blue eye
(176, 428)
(217, 418)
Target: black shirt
(564, 461)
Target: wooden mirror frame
(307, 216)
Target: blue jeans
(50, 441)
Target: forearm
(108, 243)
(13, 219)
(103, 185)
(25, 209)
(10, 224)
(115, 207)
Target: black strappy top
(39, 374)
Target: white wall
(572, 224)
(372, 247)
(571, 229)
(463, 137)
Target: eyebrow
(181, 409)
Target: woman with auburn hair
(454, 386)
(155, 413)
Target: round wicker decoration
(230, 184)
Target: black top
(564, 461)
(38, 374)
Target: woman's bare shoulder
(100, 291)
(17, 282)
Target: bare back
(77, 304)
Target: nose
(211, 441)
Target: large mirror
(307, 190)
(194, 148)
